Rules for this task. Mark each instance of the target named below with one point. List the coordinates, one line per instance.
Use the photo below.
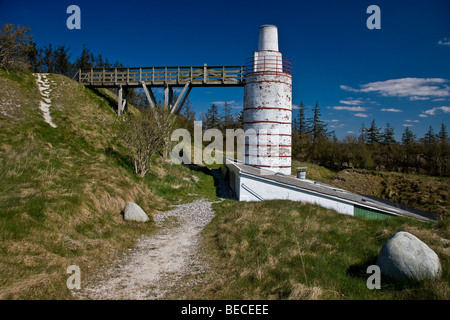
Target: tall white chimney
(268, 105)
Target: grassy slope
(62, 190)
(286, 250)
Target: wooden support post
(92, 76)
(149, 98)
(119, 102)
(125, 101)
(170, 98)
(177, 106)
(166, 96)
(79, 75)
(205, 73)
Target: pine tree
(373, 134)
(430, 150)
(227, 118)
(62, 64)
(443, 135)
(85, 60)
(444, 151)
(316, 126)
(101, 63)
(48, 59)
(319, 135)
(409, 150)
(388, 146)
(212, 118)
(35, 58)
(387, 137)
(408, 137)
(429, 137)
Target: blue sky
(398, 74)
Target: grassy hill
(62, 189)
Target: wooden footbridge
(165, 77)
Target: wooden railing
(163, 76)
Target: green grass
(287, 250)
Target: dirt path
(45, 90)
(161, 264)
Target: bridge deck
(200, 76)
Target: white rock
(405, 256)
(134, 213)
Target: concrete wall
(253, 189)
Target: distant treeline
(374, 148)
(19, 51)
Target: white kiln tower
(268, 105)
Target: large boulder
(133, 212)
(405, 256)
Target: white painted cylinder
(268, 110)
(268, 38)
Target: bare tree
(15, 46)
(144, 134)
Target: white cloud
(415, 88)
(415, 98)
(350, 132)
(347, 88)
(351, 102)
(444, 42)
(439, 99)
(408, 125)
(415, 121)
(361, 115)
(221, 103)
(340, 125)
(423, 115)
(354, 109)
(432, 112)
(391, 110)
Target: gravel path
(162, 263)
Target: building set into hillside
(265, 173)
